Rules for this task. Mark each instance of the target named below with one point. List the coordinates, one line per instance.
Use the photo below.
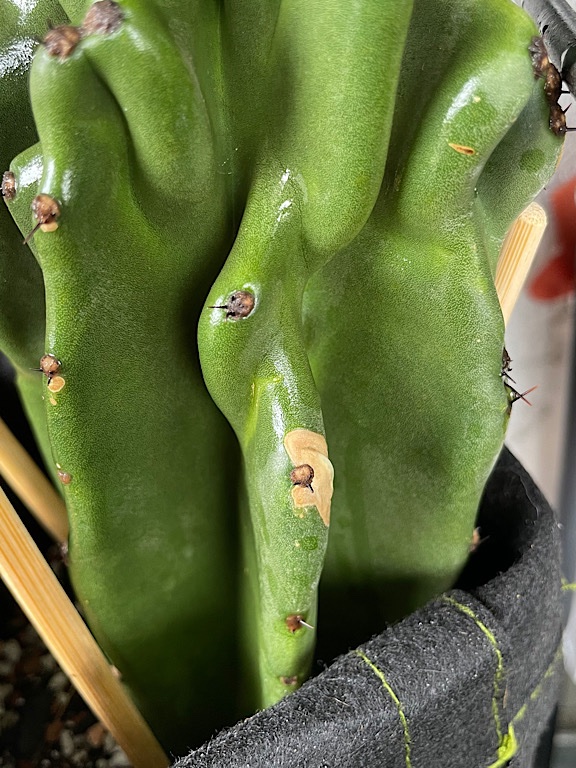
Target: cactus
(267, 236)
(22, 323)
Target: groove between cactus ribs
(395, 699)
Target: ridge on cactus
(261, 241)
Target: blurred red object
(558, 276)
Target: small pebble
(61, 699)
(118, 759)
(6, 668)
(109, 743)
(79, 758)
(58, 681)
(12, 651)
(66, 743)
(47, 663)
(95, 735)
(5, 690)
(53, 731)
(8, 720)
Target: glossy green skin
(22, 324)
(405, 330)
(272, 132)
(309, 196)
(152, 502)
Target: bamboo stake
(517, 255)
(31, 485)
(33, 584)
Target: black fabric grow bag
(468, 681)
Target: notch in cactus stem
(240, 304)
(8, 185)
(62, 41)
(295, 621)
(47, 212)
(103, 18)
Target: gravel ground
(43, 722)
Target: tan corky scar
(306, 447)
(56, 383)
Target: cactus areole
(262, 298)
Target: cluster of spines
(512, 392)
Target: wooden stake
(517, 255)
(31, 485)
(35, 587)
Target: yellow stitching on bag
(508, 743)
(396, 701)
(538, 689)
(507, 749)
(499, 661)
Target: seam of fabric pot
(537, 690)
(403, 719)
(507, 749)
(498, 677)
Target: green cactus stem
(22, 315)
(268, 233)
(413, 401)
(152, 498)
(316, 180)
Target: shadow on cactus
(267, 236)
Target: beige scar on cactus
(309, 450)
